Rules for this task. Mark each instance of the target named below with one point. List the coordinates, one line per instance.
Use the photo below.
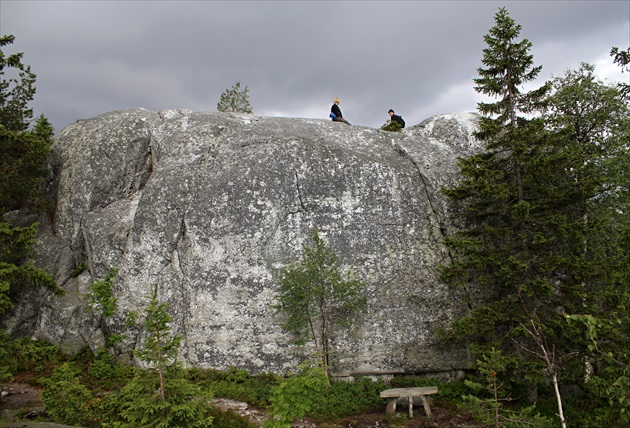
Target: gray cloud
(418, 57)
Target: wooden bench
(396, 393)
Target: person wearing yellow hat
(335, 112)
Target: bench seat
(396, 393)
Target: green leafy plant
(296, 396)
(183, 405)
(78, 269)
(100, 296)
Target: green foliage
(15, 92)
(512, 418)
(315, 297)
(235, 100)
(15, 274)
(22, 171)
(345, 398)
(78, 269)
(22, 164)
(161, 397)
(18, 355)
(392, 126)
(160, 346)
(622, 59)
(489, 395)
(67, 399)
(106, 368)
(183, 404)
(545, 232)
(236, 384)
(100, 296)
(296, 396)
(508, 64)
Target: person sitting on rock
(396, 118)
(335, 112)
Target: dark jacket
(398, 119)
(335, 109)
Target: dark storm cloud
(418, 57)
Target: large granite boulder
(208, 207)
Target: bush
(296, 396)
(345, 398)
(106, 368)
(24, 354)
(236, 384)
(392, 126)
(67, 400)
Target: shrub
(24, 354)
(67, 400)
(296, 396)
(392, 126)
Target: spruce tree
(22, 172)
(545, 236)
(161, 397)
(235, 100)
(493, 253)
(16, 91)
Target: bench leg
(391, 406)
(410, 407)
(425, 403)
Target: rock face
(208, 207)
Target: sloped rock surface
(208, 207)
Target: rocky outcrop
(209, 207)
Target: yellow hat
(336, 100)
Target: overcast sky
(417, 57)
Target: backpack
(333, 116)
(401, 121)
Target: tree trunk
(554, 378)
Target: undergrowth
(86, 390)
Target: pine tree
(235, 100)
(315, 296)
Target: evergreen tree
(314, 297)
(161, 397)
(235, 100)
(15, 92)
(541, 204)
(22, 171)
(493, 253)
